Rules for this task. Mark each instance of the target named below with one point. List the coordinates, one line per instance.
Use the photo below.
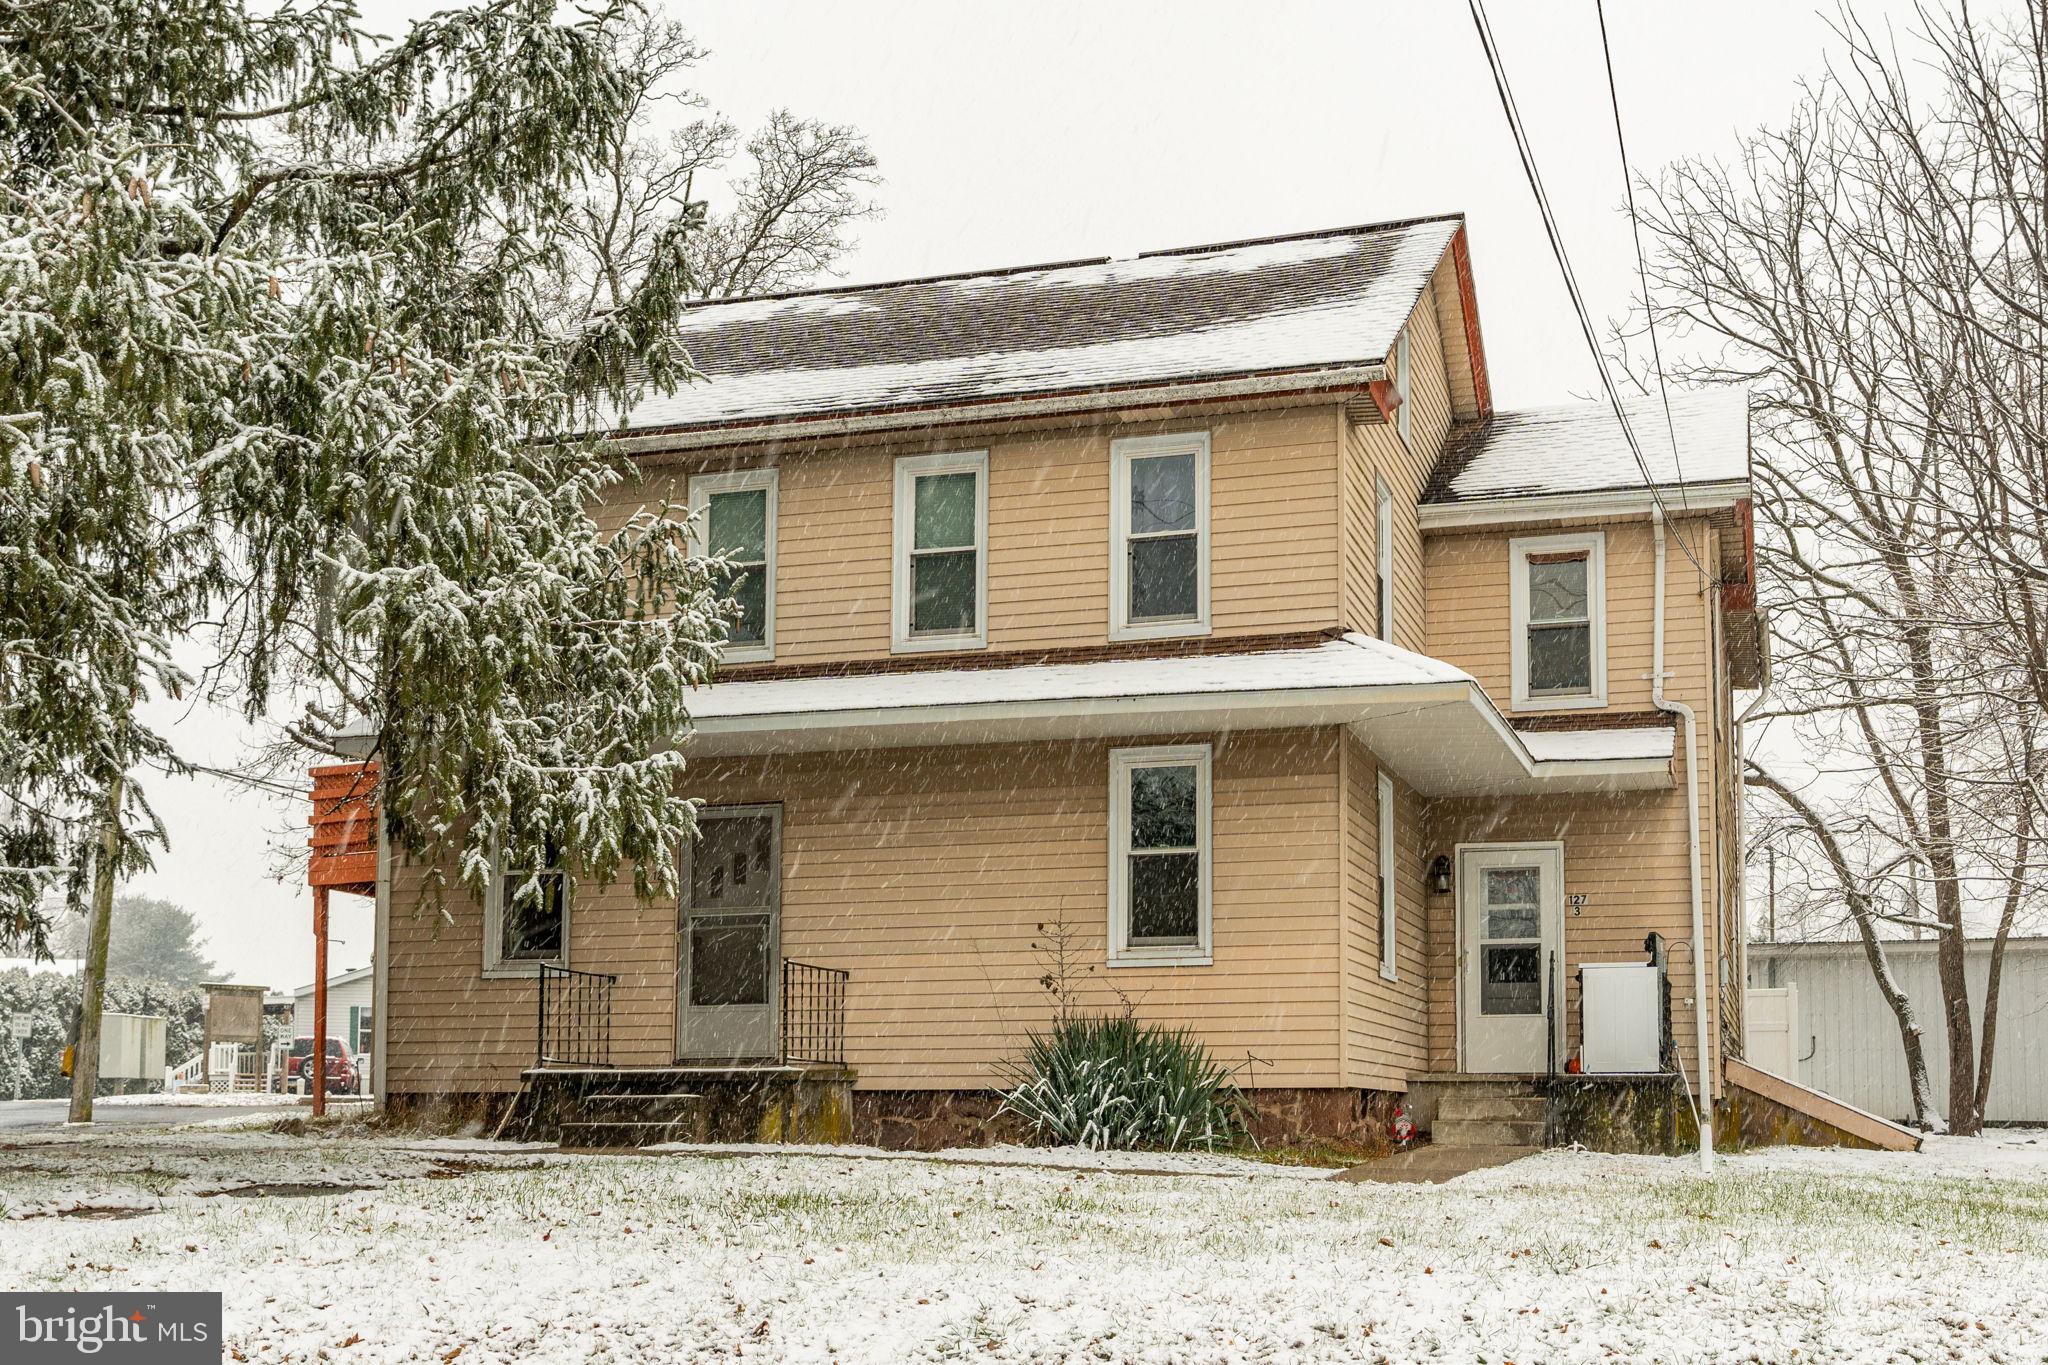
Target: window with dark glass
(1560, 624)
(1163, 543)
(531, 902)
(736, 526)
(943, 553)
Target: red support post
(318, 1062)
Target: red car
(341, 1072)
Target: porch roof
(1429, 721)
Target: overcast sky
(1042, 132)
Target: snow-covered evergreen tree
(274, 364)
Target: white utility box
(1619, 1017)
(132, 1047)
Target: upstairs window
(1159, 516)
(1403, 421)
(736, 518)
(1383, 547)
(1159, 856)
(1559, 646)
(941, 598)
(527, 920)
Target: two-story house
(1196, 611)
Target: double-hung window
(1559, 646)
(1389, 938)
(1383, 549)
(1159, 874)
(526, 922)
(1404, 422)
(941, 596)
(735, 516)
(1159, 518)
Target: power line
(1564, 265)
(1635, 225)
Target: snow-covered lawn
(524, 1255)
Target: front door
(731, 936)
(1510, 932)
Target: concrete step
(1520, 1108)
(1431, 1164)
(1486, 1133)
(618, 1133)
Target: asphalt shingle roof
(1580, 448)
(1321, 301)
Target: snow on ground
(204, 1099)
(830, 1255)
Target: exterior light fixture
(1440, 874)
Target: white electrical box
(1620, 1017)
(132, 1047)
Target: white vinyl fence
(1845, 1041)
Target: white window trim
(908, 468)
(1594, 543)
(1122, 762)
(1121, 453)
(1403, 421)
(496, 966)
(1383, 532)
(739, 481)
(1390, 944)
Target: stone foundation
(1621, 1114)
(930, 1120)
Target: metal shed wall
(1848, 1042)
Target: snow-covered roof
(1580, 448)
(1352, 661)
(338, 979)
(1431, 722)
(1599, 745)
(1320, 301)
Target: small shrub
(1108, 1081)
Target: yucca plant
(1109, 1081)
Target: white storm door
(731, 936)
(1510, 932)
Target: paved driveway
(29, 1115)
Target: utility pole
(85, 1059)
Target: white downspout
(1703, 1099)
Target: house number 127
(1577, 901)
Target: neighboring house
(349, 1015)
(1845, 1039)
(1198, 603)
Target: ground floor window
(1159, 856)
(527, 920)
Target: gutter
(1341, 380)
(1703, 1099)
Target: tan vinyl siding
(1461, 391)
(453, 1030)
(1386, 1037)
(928, 874)
(1375, 449)
(1272, 524)
(1626, 852)
(1468, 573)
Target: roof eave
(1443, 738)
(1514, 509)
(1331, 381)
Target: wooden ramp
(1770, 1110)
